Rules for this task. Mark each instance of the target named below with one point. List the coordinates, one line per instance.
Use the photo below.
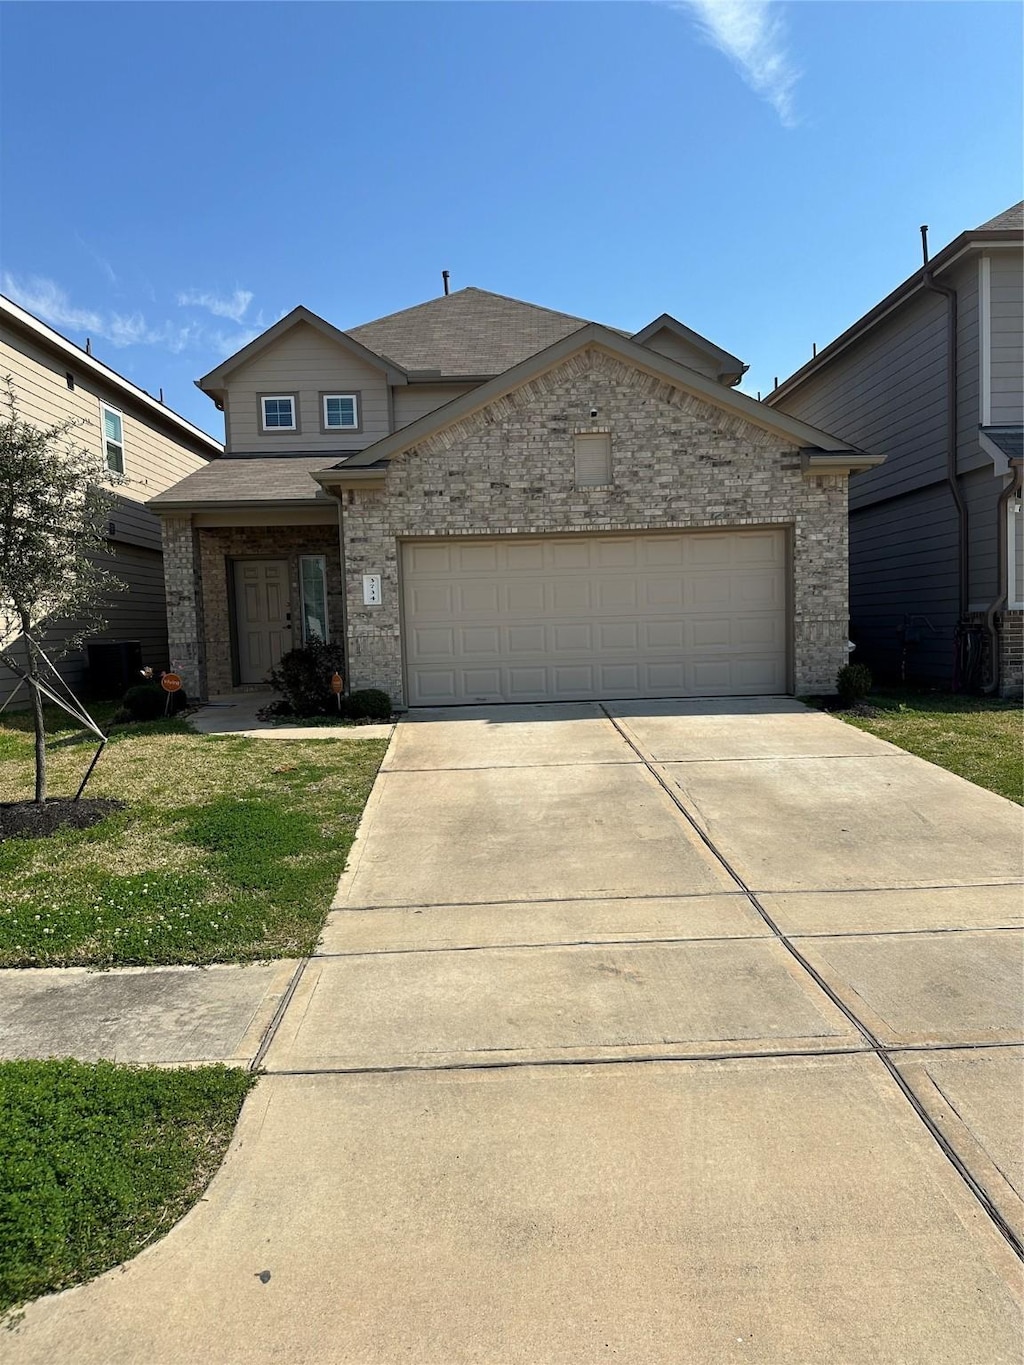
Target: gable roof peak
(470, 332)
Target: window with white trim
(313, 592)
(113, 438)
(592, 451)
(341, 412)
(278, 411)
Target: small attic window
(592, 451)
(69, 379)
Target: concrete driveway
(661, 1032)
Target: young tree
(54, 507)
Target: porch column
(182, 585)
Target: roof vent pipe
(445, 277)
(924, 242)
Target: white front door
(262, 616)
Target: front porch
(240, 594)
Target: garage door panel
(591, 616)
(434, 642)
(425, 559)
(475, 641)
(430, 599)
(661, 635)
(471, 598)
(619, 553)
(616, 594)
(472, 558)
(524, 598)
(525, 684)
(571, 595)
(525, 639)
(618, 635)
(569, 639)
(521, 555)
(568, 554)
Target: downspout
(952, 419)
(1011, 490)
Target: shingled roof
(470, 332)
(1006, 221)
(280, 480)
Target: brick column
(184, 610)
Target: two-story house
(138, 436)
(933, 379)
(490, 501)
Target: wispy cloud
(48, 300)
(101, 261)
(233, 306)
(751, 34)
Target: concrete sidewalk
(670, 1031)
(236, 714)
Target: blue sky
(177, 176)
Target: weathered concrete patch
(725, 729)
(555, 1004)
(976, 1098)
(506, 737)
(915, 908)
(715, 1212)
(152, 1015)
(806, 824)
(523, 834)
(930, 987)
(542, 922)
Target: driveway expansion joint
(875, 1045)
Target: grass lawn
(98, 1160)
(976, 737)
(229, 849)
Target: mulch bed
(26, 820)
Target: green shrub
(303, 677)
(147, 701)
(369, 704)
(853, 683)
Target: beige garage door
(589, 616)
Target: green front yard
(98, 1160)
(227, 849)
(977, 737)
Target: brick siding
(678, 462)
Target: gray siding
(902, 566)
(886, 393)
(678, 348)
(416, 400)
(965, 279)
(305, 362)
(138, 614)
(1007, 280)
(981, 494)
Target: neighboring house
(490, 501)
(933, 379)
(140, 437)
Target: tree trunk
(38, 720)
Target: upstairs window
(113, 439)
(341, 411)
(593, 459)
(278, 412)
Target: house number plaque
(371, 589)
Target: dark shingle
(263, 478)
(470, 332)
(1008, 220)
